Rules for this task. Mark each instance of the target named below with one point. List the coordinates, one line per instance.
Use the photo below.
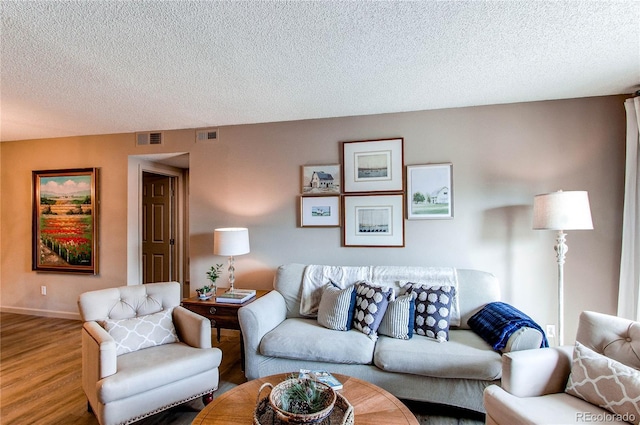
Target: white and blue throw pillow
(433, 311)
(371, 304)
(399, 319)
(336, 307)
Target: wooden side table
(221, 315)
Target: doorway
(149, 266)
(158, 228)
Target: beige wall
(502, 156)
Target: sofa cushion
(305, 339)
(433, 310)
(141, 332)
(465, 356)
(605, 382)
(399, 319)
(336, 307)
(144, 370)
(371, 304)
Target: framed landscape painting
(319, 211)
(373, 166)
(373, 221)
(65, 221)
(429, 191)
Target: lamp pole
(561, 249)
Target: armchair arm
(192, 328)
(98, 351)
(256, 319)
(532, 373)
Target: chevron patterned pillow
(141, 332)
(605, 382)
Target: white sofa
(533, 382)
(278, 339)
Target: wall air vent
(207, 135)
(153, 138)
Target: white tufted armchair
(137, 368)
(534, 381)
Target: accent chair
(143, 353)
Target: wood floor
(40, 377)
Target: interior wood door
(158, 227)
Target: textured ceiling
(100, 67)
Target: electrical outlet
(43, 290)
(551, 331)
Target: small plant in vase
(208, 291)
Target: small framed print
(373, 166)
(373, 220)
(430, 191)
(319, 211)
(321, 179)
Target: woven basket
(329, 399)
(342, 413)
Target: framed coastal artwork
(430, 191)
(373, 165)
(373, 220)
(320, 211)
(321, 179)
(64, 221)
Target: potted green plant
(208, 291)
(205, 292)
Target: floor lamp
(561, 211)
(231, 241)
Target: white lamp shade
(562, 211)
(231, 241)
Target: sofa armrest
(98, 351)
(193, 329)
(532, 373)
(256, 319)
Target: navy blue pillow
(433, 311)
(371, 303)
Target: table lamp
(561, 211)
(231, 241)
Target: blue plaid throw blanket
(497, 321)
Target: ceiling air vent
(207, 135)
(154, 138)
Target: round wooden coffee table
(372, 405)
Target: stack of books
(236, 296)
(322, 376)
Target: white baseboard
(43, 313)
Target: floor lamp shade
(231, 241)
(562, 211)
